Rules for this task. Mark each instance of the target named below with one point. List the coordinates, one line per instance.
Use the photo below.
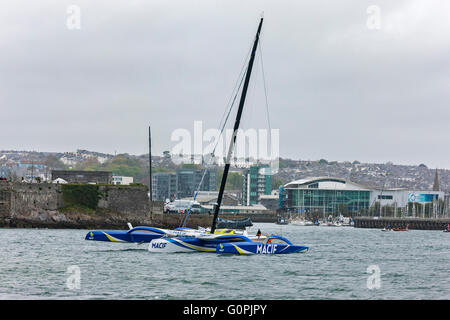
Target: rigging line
(234, 92)
(252, 107)
(265, 95)
(233, 98)
(235, 128)
(229, 112)
(246, 122)
(242, 75)
(214, 150)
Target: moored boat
(300, 222)
(282, 220)
(401, 229)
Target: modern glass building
(188, 181)
(257, 180)
(183, 183)
(164, 186)
(324, 195)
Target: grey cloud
(336, 89)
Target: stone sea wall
(46, 205)
(129, 200)
(413, 223)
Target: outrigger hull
(134, 235)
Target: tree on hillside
(276, 182)
(53, 162)
(89, 164)
(191, 166)
(124, 165)
(234, 180)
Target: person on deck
(258, 234)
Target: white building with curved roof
(325, 183)
(331, 195)
(324, 195)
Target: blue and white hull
(189, 240)
(134, 235)
(232, 244)
(171, 245)
(200, 242)
(259, 248)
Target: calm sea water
(36, 264)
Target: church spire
(436, 181)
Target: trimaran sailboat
(203, 240)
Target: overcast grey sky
(337, 88)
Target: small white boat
(299, 222)
(331, 224)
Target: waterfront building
(188, 181)
(402, 197)
(330, 195)
(324, 195)
(257, 181)
(164, 186)
(270, 201)
(183, 183)
(122, 180)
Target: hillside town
(31, 166)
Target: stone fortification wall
(26, 197)
(72, 206)
(129, 200)
(5, 199)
